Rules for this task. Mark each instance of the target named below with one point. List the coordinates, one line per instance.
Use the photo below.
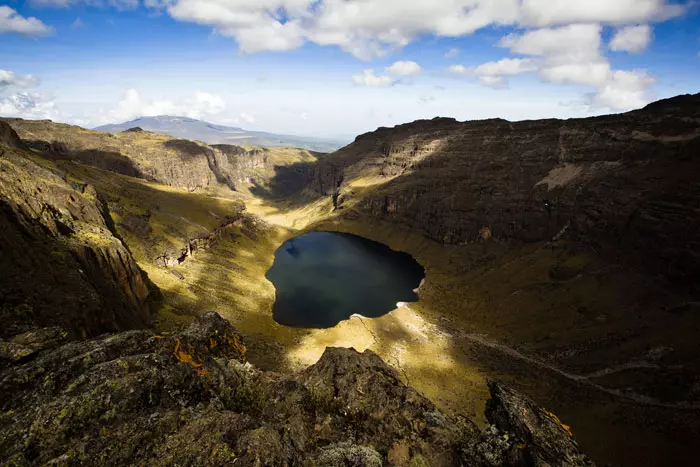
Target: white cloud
(247, 118)
(564, 44)
(29, 105)
(206, 103)
(133, 106)
(368, 78)
(243, 117)
(496, 82)
(592, 73)
(453, 52)
(493, 74)
(9, 78)
(560, 12)
(78, 23)
(507, 66)
(623, 90)
(572, 55)
(371, 28)
(13, 22)
(405, 68)
(633, 39)
(459, 70)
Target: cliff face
(60, 262)
(191, 399)
(631, 179)
(175, 162)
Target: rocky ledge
(191, 399)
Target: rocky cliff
(60, 261)
(629, 179)
(190, 399)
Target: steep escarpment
(174, 162)
(60, 261)
(191, 398)
(630, 179)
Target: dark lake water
(322, 278)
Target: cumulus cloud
(568, 43)
(29, 105)
(633, 39)
(573, 55)
(9, 78)
(13, 22)
(507, 66)
(368, 78)
(559, 12)
(132, 106)
(622, 90)
(370, 28)
(405, 68)
(493, 74)
(24, 104)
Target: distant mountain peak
(211, 133)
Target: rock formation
(60, 262)
(190, 398)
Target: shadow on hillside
(111, 161)
(185, 148)
(287, 181)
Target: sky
(338, 68)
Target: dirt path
(586, 380)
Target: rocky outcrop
(539, 437)
(246, 223)
(8, 137)
(60, 262)
(190, 399)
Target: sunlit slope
(157, 157)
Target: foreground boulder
(190, 399)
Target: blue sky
(337, 68)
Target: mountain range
(193, 129)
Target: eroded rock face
(60, 263)
(189, 399)
(540, 437)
